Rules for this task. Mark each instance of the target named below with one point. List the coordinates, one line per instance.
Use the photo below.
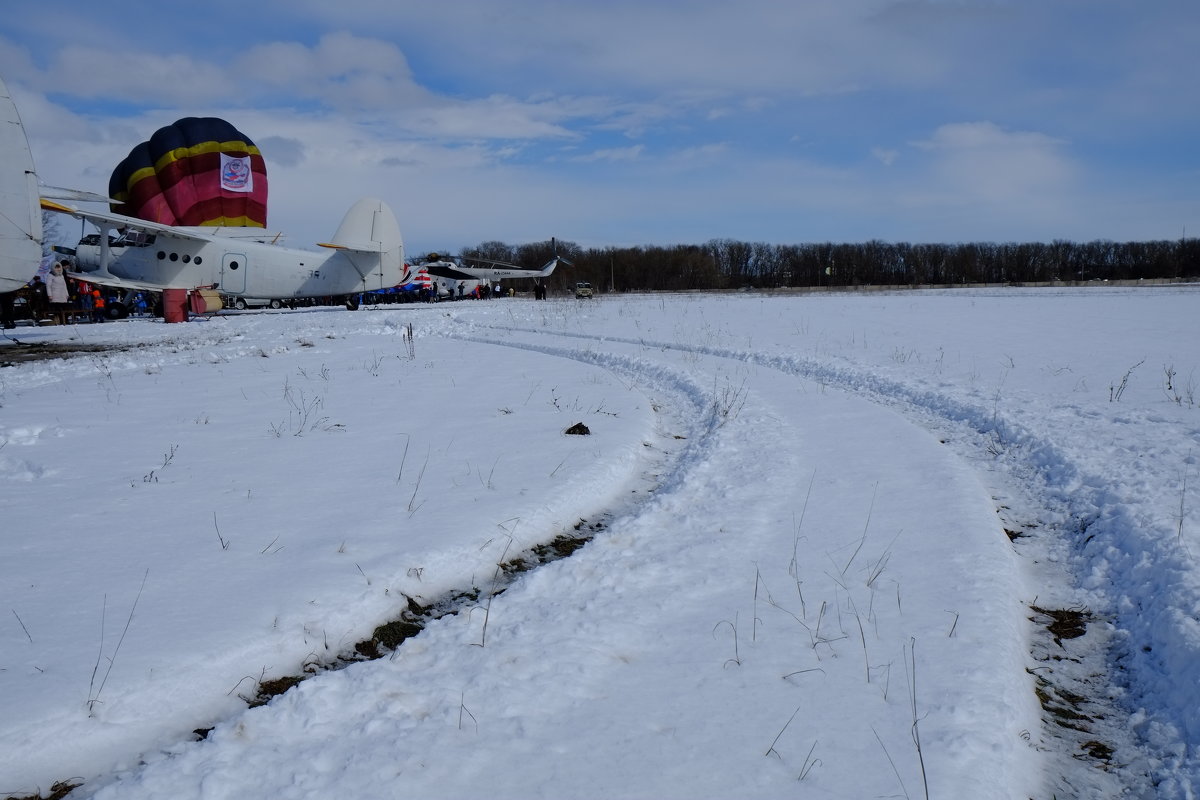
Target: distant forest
(729, 264)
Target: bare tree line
(730, 264)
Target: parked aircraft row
(365, 254)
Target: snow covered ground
(850, 545)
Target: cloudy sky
(629, 122)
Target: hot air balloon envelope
(198, 171)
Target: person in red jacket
(97, 306)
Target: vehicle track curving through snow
(778, 551)
(797, 554)
(1083, 720)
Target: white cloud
(342, 70)
(137, 76)
(613, 154)
(960, 136)
(1024, 171)
(754, 47)
(885, 156)
(495, 117)
(701, 153)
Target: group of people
(431, 294)
(54, 299)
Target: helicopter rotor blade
(489, 261)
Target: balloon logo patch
(235, 174)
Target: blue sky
(654, 122)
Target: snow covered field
(897, 544)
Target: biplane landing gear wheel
(116, 310)
(351, 303)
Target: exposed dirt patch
(388, 636)
(1097, 750)
(1074, 706)
(415, 616)
(1062, 707)
(273, 688)
(19, 352)
(561, 547)
(57, 791)
(1064, 623)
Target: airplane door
(233, 273)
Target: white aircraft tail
(549, 267)
(553, 262)
(370, 227)
(20, 215)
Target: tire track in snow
(688, 406)
(692, 409)
(1090, 720)
(713, 460)
(690, 414)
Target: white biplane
(365, 254)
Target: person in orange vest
(97, 306)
